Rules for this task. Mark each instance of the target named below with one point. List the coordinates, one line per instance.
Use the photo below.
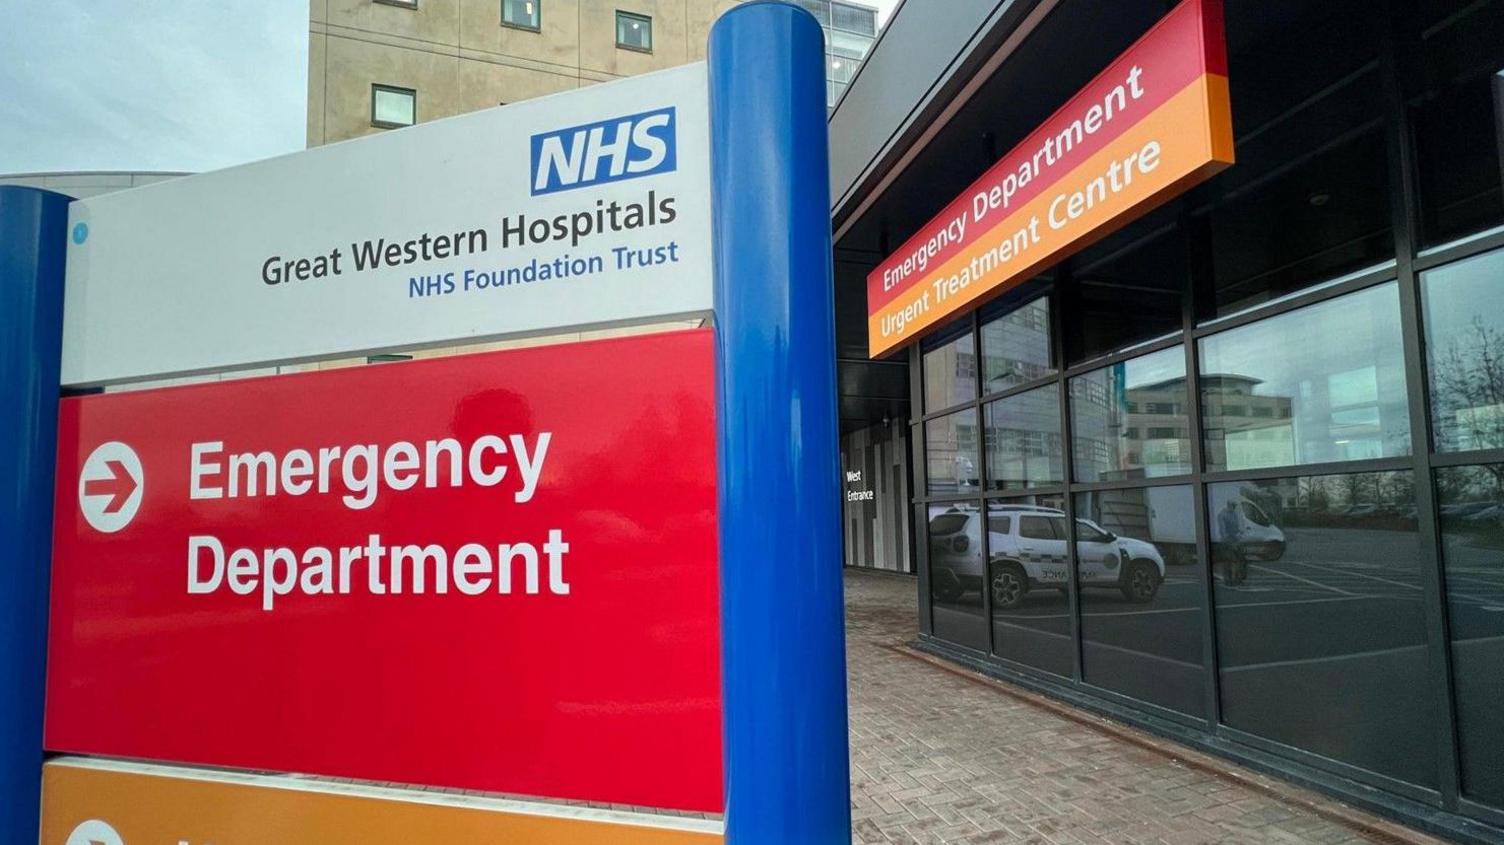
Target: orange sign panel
(87, 802)
(1153, 124)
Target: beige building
(378, 64)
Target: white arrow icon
(110, 487)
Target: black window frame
(630, 17)
(501, 11)
(392, 89)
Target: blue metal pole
(33, 235)
(787, 778)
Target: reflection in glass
(955, 553)
(1321, 618)
(950, 374)
(1454, 116)
(1016, 347)
(1127, 288)
(1023, 440)
(1472, 530)
(1028, 576)
(522, 13)
(1132, 420)
(1308, 201)
(1464, 305)
(950, 451)
(1142, 589)
(1319, 384)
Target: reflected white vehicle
(1237, 519)
(1029, 550)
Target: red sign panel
(492, 572)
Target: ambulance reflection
(1029, 556)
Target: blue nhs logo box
(607, 151)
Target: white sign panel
(582, 209)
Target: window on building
(1321, 630)
(1306, 202)
(1454, 95)
(1128, 288)
(406, 4)
(950, 447)
(850, 44)
(1028, 573)
(956, 553)
(950, 373)
(1104, 419)
(819, 8)
(1136, 558)
(1464, 308)
(1024, 448)
(1472, 531)
(1332, 376)
(1016, 347)
(524, 14)
(634, 32)
(853, 19)
(393, 107)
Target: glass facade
(1241, 462)
(850, 32)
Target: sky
(150, 84)
(155, 85)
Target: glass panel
(1472, 532)
(635, 31)
(819, 8)
(1132, 420)
(1321, 618)
(1023, 440)
(1454, 101)
(1127, 288)
(1464, 306)
(1309, 198)
(1142, 595)
(392, 107)
(950, 444)
(854, 19)
(955, 543)
(1029, 572)
(521, 12)
(848, 44)
(1016, 347)
(841, 68)
(950, 374)
(1322, 383)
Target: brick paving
(942, 755)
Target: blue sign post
(783, 635)
(34, 232)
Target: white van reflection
(1241, 524)
(1029, 551)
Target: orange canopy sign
(1153, 124)
(89, 802)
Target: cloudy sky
(153, 84)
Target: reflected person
(1230, 526)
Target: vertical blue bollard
(782, 616)
(33, 246)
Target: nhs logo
(608, 151)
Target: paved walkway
(943, 755)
